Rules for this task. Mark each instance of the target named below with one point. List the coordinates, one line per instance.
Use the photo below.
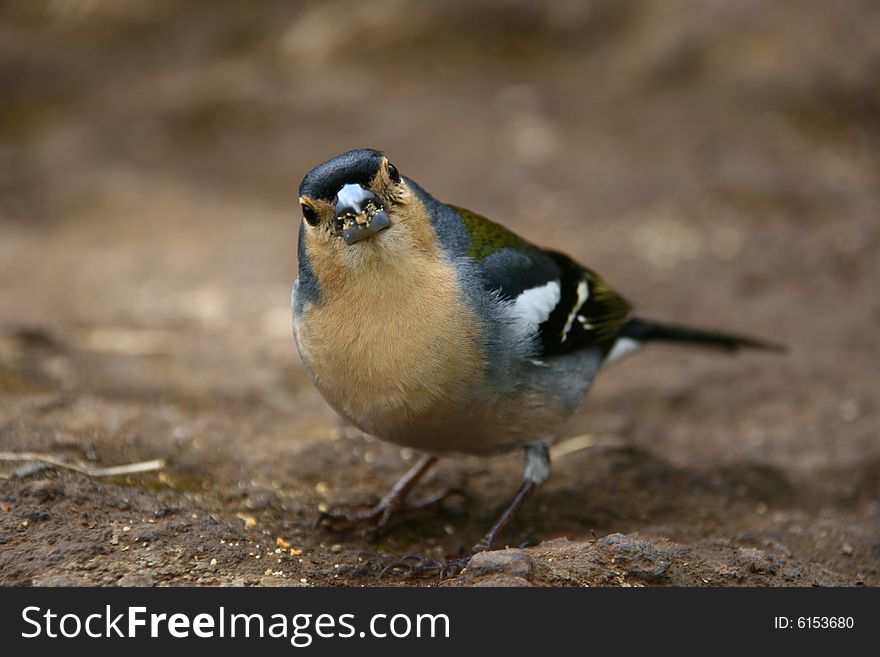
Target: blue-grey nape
(357, 167)
(448, 224)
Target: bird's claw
(416, 566)
(413, 565)
(375, 521)
(335, 520)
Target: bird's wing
(589, 313)
(565, 305)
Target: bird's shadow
(620, 488)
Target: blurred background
(716, 161)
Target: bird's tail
(641, 331)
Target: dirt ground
(717, 162)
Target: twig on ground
(571, 445)
(113, 470)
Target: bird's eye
(310, 215)
(393, 173)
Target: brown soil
(716, 162)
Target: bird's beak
(359, 214)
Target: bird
(429, 326)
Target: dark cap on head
(354, 167)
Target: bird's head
(357, 208)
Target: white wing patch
(533, 306)
(622, 347)
(583, 294)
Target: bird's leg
(377, 518)
(488, 541)
(537, 469)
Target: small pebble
(135, 580)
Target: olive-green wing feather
(587, 313)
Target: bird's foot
(375, 521)
(416, 566)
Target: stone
(639, 558)
(59, 580)
(135, 579)
(515, 563)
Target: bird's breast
(396, 346)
